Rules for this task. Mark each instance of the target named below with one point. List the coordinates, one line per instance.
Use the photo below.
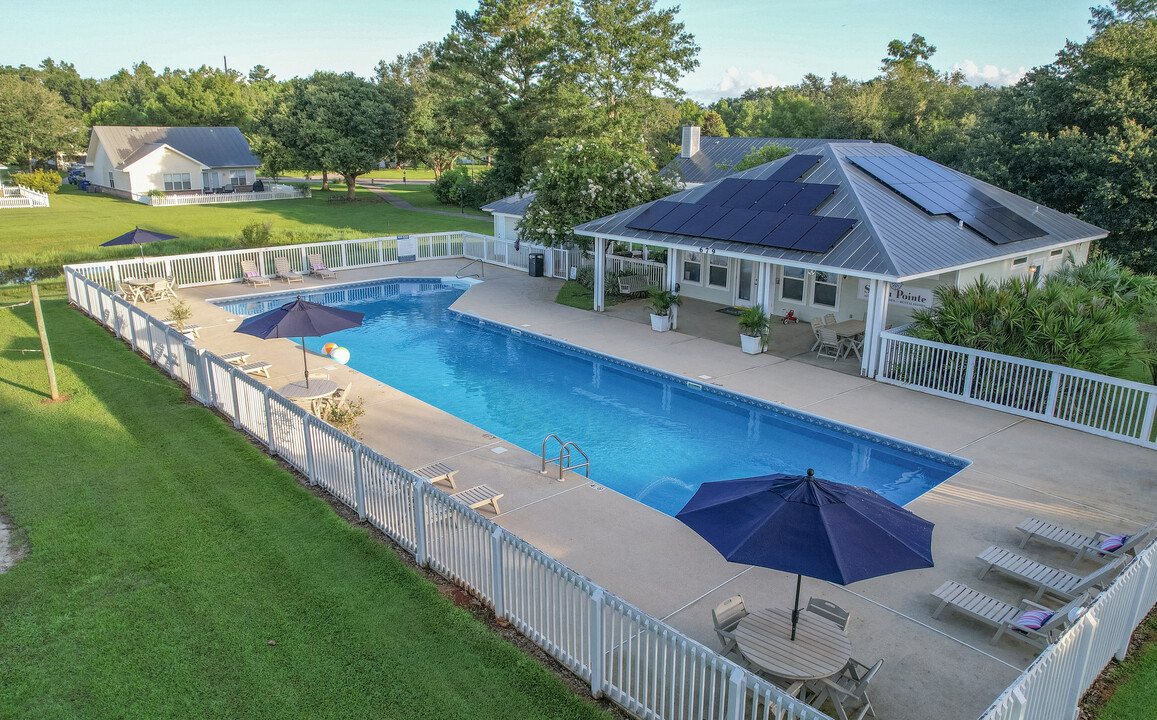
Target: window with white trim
(237, 177)
(178, 181)
(1056, 253)
(825, 289)
(692, 268)
(111, 183)
(1020, 262)
(791, 287)
(717, 271)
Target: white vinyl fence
(626, 655)
(277, 192)
(18, 196)
(1097, 404)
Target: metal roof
(212, 146)
(893, 237)
(718, 155)
(510, 205)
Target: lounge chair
(847, 689)
(255, 368)
(437, 472)
(282, 271)
(817, 325)
(828, 611)
(194, 330)
(726, 616)
(1062, 584)
(250, 275)
(317, 267)
(829, 343)
(478, 496)
(1083, 545)
(237, 357)
(1008, 619)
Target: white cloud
(991, 74)
(734, 83)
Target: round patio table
(820, 648)
(318, 388)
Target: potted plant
(754, 330)
(661, 303)
(180, 314)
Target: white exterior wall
(506, 226)
(149, 172)
(1048, 260)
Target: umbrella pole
(795, 612)
(305, 362)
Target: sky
(743, 43)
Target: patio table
(151, 289)
(820, 648)
(318, 388)
(849, 328)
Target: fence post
(420, 524)
(359, 485)
(236, 399)
(1054, 388)
(499, 588)
(736, 689)
(309, 471)
(1084, 650)
(266, 393)
(202, 365)
(1147, 422)
(1140, 607)
(1019, 704)
(597, 662)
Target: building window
(824, 289)
(1056, 253)
(717, 271)
(178, 181)
(692, 268)
(111, 183)
(1020, 262)
(237, 177)
(792, 286)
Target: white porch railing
(1096, 404)
(278, 193)
(653, 271)
(19, 196)
(637, 661)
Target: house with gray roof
(130, 161)
(865, 231)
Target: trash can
(536, 263)
(84, 185)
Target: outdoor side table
(820, 648)
(318, 388)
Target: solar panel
(1001, 225)
(778, 196)
(700, 221)
(729, 224)
(790, 230)
(723, 191)
(754, 190)
(795, 166)
(758, 227)
(825, 234)
(809, 198)
(646, 219)
(678, 215)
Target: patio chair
(1062, 584)
(726, 616)
(829, 611)
(171, 282)
(829, 343)
(255, 368)
(283, 272)
(437, 472)
(237, 357)
(340, 397)
(847, 689)
(317, 267)
(1094, 548)
(132, 292)
(830, 319)
(1032, 623)
(849, 345)
(817, 325)
(250, 275)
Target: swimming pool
(650, 436)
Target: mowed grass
(165, 553)
(420, 197)
(76, 223)
(1135, 695)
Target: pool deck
(943, 668)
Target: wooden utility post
(44, 343)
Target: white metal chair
(829, 611)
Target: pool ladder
(564, 456)
(481, 264)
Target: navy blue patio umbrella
(138, 237)
(808, 526)
(300, 319)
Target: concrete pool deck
(942, 668)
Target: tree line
(522, 84)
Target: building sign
(906, 296)
(407, 248)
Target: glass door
(745, 288)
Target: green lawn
(72, 229)
(175, 571)
(1135, 695)
(420, 196)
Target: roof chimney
(690, 141)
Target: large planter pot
(660, 323)
(751, 344)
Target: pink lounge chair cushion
(251, 274)
(1034, 619)
(319, 267)
(1113, 543)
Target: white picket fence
(1051, 688)
(18, 196)
(1096, 404)
(639, 662)
(281, 192)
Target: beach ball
(341, 355)
(329, 348)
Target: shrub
(345, 416)
(46, 181)
(157, 193)
(456, 187)
(257, 234)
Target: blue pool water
(649, 435)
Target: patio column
(600, 272)
(673, 259)
(764, 283)
(875, 323)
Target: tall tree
(205, 97)
(34, 121)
